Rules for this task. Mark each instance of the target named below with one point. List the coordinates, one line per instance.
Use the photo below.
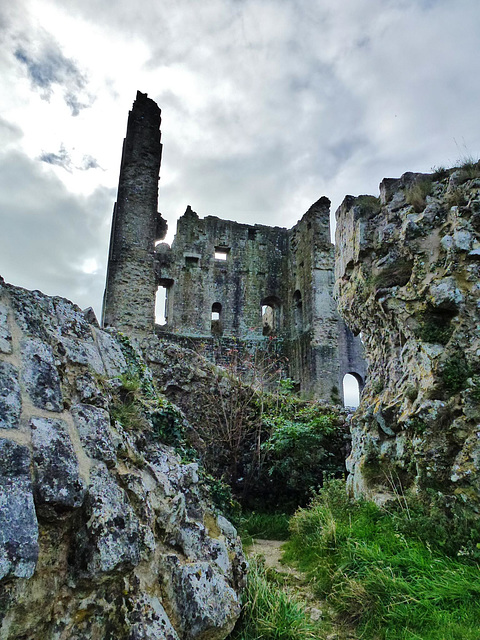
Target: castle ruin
(230, 287)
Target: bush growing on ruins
(435, 327)
(469, 168)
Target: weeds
(469, 168)
(435, 327)
(455, 373)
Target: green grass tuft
(416, 194)
(268, 526)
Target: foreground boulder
(104, 531)
(408, 273)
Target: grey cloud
(47, 67)
(9, 132)
(49, 233)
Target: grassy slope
(390, 585)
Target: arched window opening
(216, 326)
(271, 311)
(161, 305)
(268, 320)
(351, 390)
(298, 310)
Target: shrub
(469, 168)
(369, 204)
(304, 445)
(435, 327)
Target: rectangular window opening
(221, 253)
(191, 261)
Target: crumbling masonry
(230, 287)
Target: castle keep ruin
(229, 286)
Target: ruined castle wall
(254, 269)
(408, 275)
(131, 280)
(273, 284)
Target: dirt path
(296, 582)
(271, 550)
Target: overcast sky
(266, 105)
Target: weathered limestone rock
(57, 481)
(407, 276)
(18, 522)
(10, 397)
(92, 509)
(40, 375)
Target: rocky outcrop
(407, 281)
(104, 531)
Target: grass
(270, 612)
(268, 526)
(416, 194)
(387, 582)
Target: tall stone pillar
(129, 299)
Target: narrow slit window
(216, 318)
(161, 306)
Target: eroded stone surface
(58, 484)
(112, 528)
(10, 396)
(93, 425)
(40, 375)
(203, 600)
(408, 282)
(90, 509)
(5, 334)
(18, 522)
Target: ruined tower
(129, 300)
(261, 293)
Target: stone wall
(408, 267)
(273, 284)
(104, 532)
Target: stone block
(18, 521)
(110, 540)
(57, 483)
(40, 375)
(5, 335)
(10, 396)
(93, 425)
